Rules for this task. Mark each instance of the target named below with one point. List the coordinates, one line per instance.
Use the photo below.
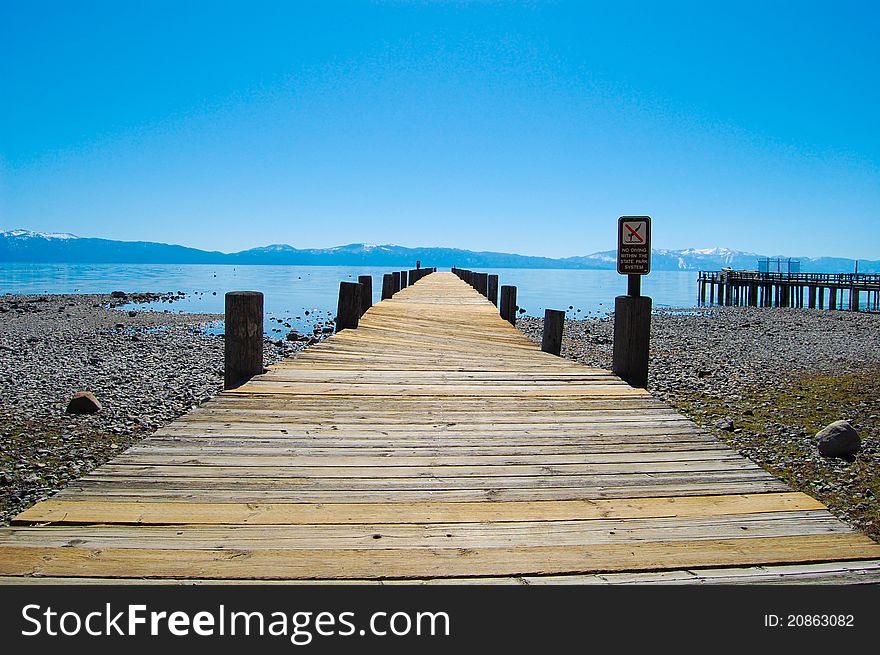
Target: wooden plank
(419, 562)
(103, 511)
(371, 536)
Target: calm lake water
(291, 291)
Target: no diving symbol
(634, 232)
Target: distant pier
(845, 291)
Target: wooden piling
(366, 282)
(396, 276)
(632, 329)
(243, 348)
(481, 283)
(551, 340)
(387, 286)
(404, 280)
(492, 289)
(508, 304)
(348, 309)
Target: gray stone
(838, 439)
(724, 424)
(83, 402)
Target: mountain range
(28, 246)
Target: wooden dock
(433, 443)
(799, 290)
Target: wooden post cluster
(243, 348)
(796, 290)
(487, 285)
(551, 340)
(417, 274)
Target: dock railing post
(481, 283)
(366, 282)
(243, 348)
(551, 340)
(492, 291)
(508, 304)
(632, 330)
(387, 286)
(348, 310)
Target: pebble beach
(146, 368)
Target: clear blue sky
(523, 128)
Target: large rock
(83, 402)
(725, 424)
(838, 439)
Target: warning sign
(634, 245)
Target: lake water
(291, 291)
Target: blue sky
(491, 126)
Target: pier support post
(366, 282)
(753, 294)
(632, 330)
(396, 277)
(481, 283)
(811, 297)
(854, 299)
(492, 290)
(832, 298)
(243, 348)
(508, 304)
(387, 286)
(551, 340)
(404, 280)
(348, 310)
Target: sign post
(632, 312)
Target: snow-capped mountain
(27, 234)
(28, 246)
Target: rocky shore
(766, 381)
(146, 368)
